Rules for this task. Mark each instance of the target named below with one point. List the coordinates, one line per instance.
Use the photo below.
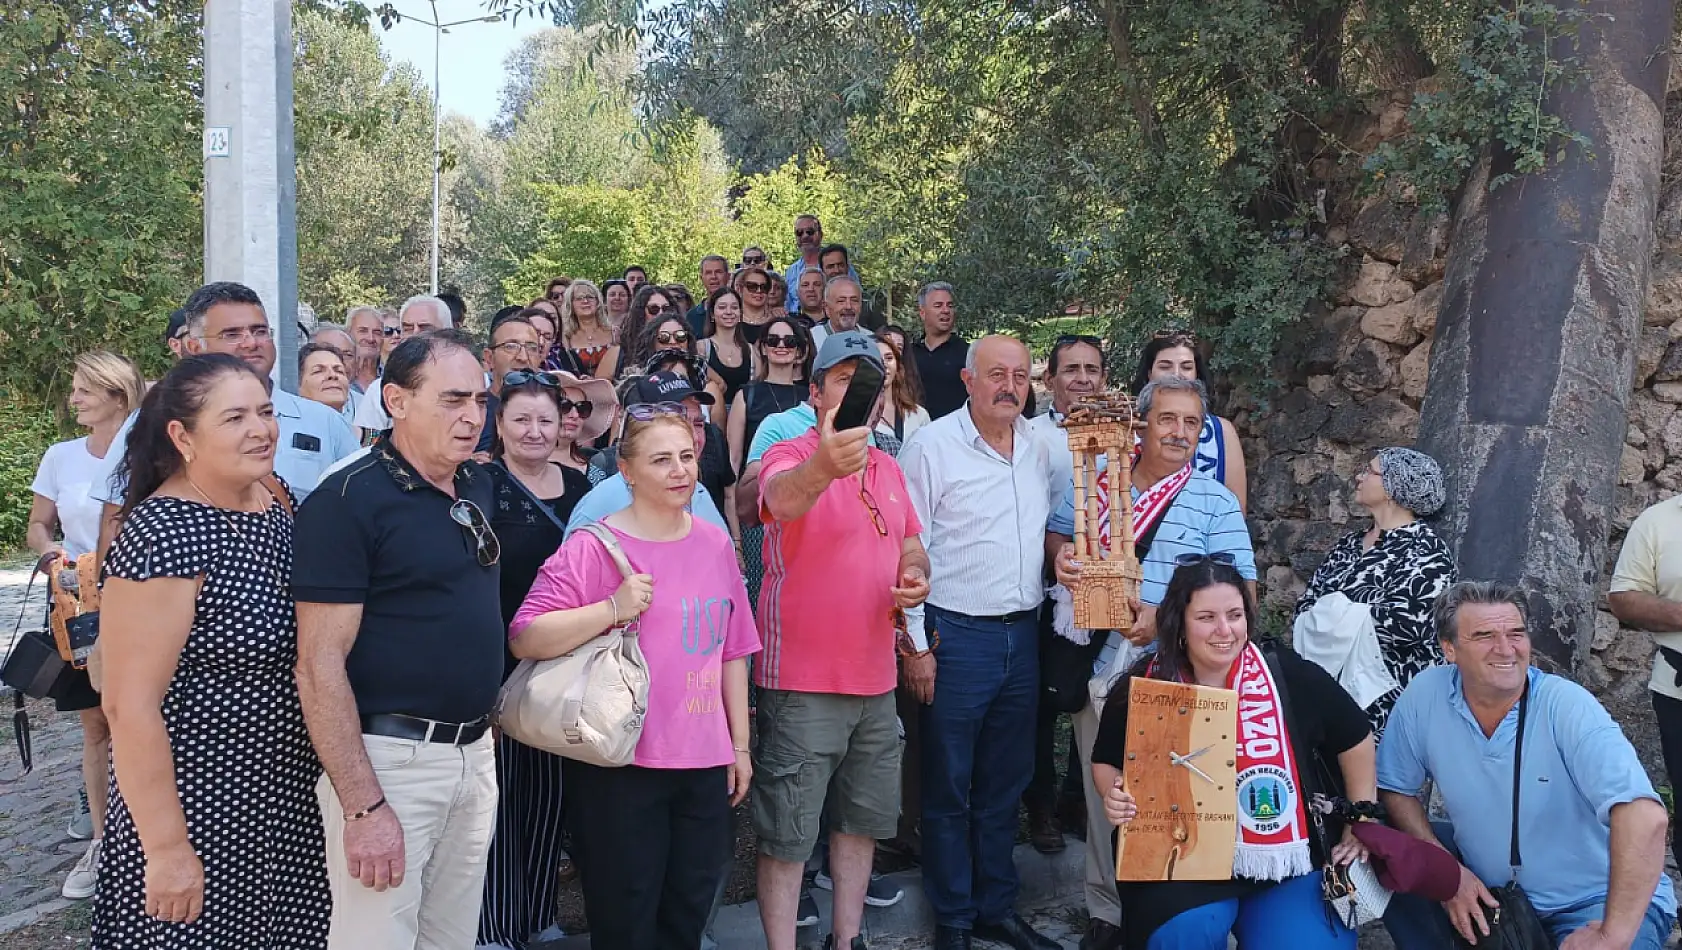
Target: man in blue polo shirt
(1177, 513)
(1590, 828)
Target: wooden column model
(1109, 579)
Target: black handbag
(32, 668)
(1513, 923)
(1066, 666)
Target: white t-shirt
(370, 410)
(66, 478)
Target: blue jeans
(1417, 923)
(1289, 915)
(977, 758)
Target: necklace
(776, 396)
(273, 569)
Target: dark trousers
(650, 847)
(1668, 711)
(911, 766)
(977, 757)
(1043, 794)
(522, 874)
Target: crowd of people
(863, 634)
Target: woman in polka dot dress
(213, 839)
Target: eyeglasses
(515, 348)
(655, 310)
(646, 411)
(390, 331)
(520, 377)
(672, 336)
(756, 286)
(869, 500)
(756, 260)
(1219, 557)
(468, 515)
(585, 407)
(781, 341)
(805, 232)
(236, 335)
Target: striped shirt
(1204, 519)
(983, 515)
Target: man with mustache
(843, 302)
(981, 483)
(1178, 513)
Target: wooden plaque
(1187, 825)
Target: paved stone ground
(35, 852)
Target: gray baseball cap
(847, 345)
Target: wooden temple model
(1109, 577)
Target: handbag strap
(547, 511)
(1518, 764)
(20, 715)
(602, 534)
(279, 492)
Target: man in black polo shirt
(940, 354)
(400, 643)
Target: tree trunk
(1535, 345)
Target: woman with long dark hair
(726, 348)
(214, 835)
(1273, 900)
(652, 304)
(1176, 353)
(902, 412)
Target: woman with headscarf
(1396, 568)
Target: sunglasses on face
(755, 286)
(754, 261)
(655, 310)
(781, 341)
(805, 232)
(585, 407)
(672, 336)
(557, 294)
(1219, 557)
(468, 515)
(390, 331)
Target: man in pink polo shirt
(841, 553)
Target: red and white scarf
(1272, 823)
(1148, 509)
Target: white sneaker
(81, 823)
(83, 879)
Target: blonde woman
(64, 522)
(586, 327)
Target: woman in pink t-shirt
(651, 838)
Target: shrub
(25, 433)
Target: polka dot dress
(244, 767)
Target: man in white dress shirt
(1074, 371)
(981, 483)
(419, 314)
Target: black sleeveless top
(762, 398)
(735, 377)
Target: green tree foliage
(364, 143)
(100, 229)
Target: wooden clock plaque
(1180, 766)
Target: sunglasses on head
(672, 336)
(1219, 557)
(756, 286)
(644, 411)
(782, 341)
(1072, 338)
(469, 516)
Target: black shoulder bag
(1066, 666)
(1514, 923)
(32, 668)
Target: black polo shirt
(376, 533)
(943, 387)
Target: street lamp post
(438, 31)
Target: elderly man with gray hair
(418, 315)
(941, 353)
(843, 303)
(1180, 516)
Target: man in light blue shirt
(227, 317)
(1590, 828)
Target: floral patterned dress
(1400, 579)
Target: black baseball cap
(666, 387)
(177, 326)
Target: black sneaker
(857, 944)
(881, 892)
(807, 914)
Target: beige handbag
(589, 704)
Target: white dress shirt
(983, 515)
(1057, 443)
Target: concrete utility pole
(250, 181)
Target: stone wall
(1352, 375)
